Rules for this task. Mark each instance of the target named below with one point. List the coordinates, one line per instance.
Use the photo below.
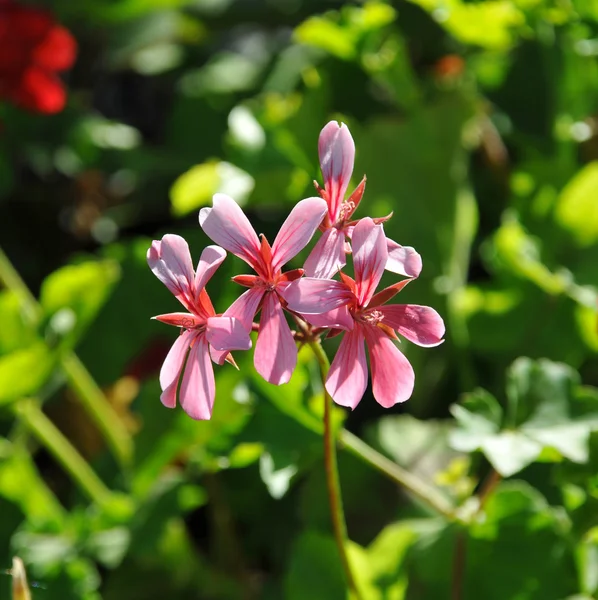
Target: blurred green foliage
(476, 124)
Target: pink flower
(337, 156)
(203, 332)
(354, 307)
(275, 350)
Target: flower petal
(170, 262)
(245, 307)
(348, 376)
(392, 374)
(211, 258)
(198, 387)
(227, 225)
(227, 333)
(421, 325)
(337, 318)
(298, 228)
(327, 256)
(369, 258)
(172, 367)
(337, 156)
(275, 350)
(403, 260)
(309, 295)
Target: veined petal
(226, 224)
(245, 307)
(392, 374)
(337, 318)
(170, 261)
(227, 333)
(327, 256)
(310, 295)
(421, 325)
(198, 388)
(298, 228)
(275, 350)
(369, 258)
(211, 258)
(403, 260)
(336, 150)
(170, 372)
(348, 376)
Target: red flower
(33, 49)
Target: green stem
(79, 379)
(335, 500)
(419, 488)
(64, 452)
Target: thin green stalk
(419, 488)
(78, 377)
(337, 513)
(32, 416)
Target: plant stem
(78, 377)
(419, 488)
(64, 452)
(335, 500)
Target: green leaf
(387, 561)
(315, 570)
(195, 188)
(540, 423)
(577, 209)
(72, 296)
(24, 372)
(21, 483)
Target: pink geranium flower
(202, 331)
(352, 305)
(275, 350)
(337, 156)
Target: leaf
(315, 569)
(24, 372)
(510, 451)
(576, 209)
(387, 561)
(540, 422)
(195, 188)
(21, 483)
(72, 296)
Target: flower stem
(335, 500)
(419, 488)
(65, 453)
(78, 377)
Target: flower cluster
(33, 50)
(318, 303)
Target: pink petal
(348, 376)
(392, 374)
(245, 307)
(275, 350)
(170, 262)
(327, 256)
(227, 333)
(369, 258)
(211, 258)
(403, 260)
(421, 325)
(337, 318)
(198, 388)
(337, 155)
(309, 295)
(227, 225)
(298, 228)
(172, 367)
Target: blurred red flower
(33, 49)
